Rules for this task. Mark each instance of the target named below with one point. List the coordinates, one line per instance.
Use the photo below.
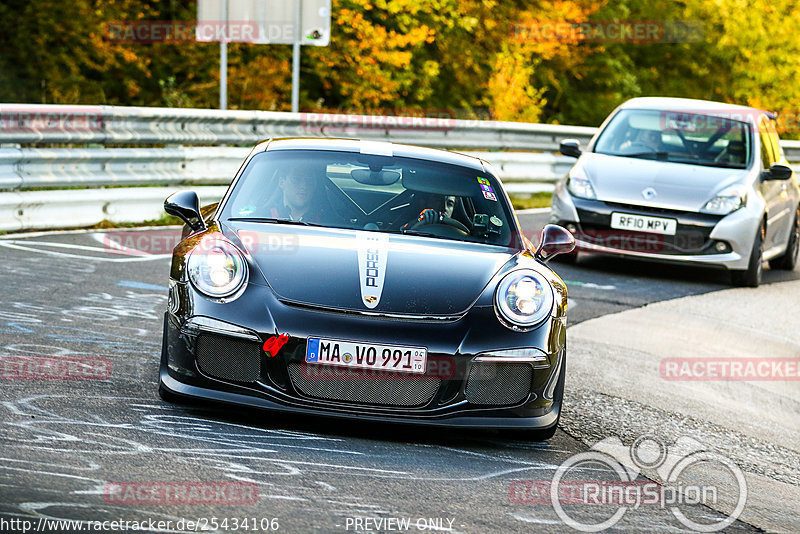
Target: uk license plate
(642, 223)
(398, 358)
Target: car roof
(374, 147)
(688, 105)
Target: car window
(767, 149)
(677, 137)
(375, 193)
(776, 142)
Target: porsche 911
(371, 281)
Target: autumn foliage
(467, 57)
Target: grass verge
(528, 201)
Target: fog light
(721, 246)
(572, 228)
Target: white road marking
(19, 245)
(590, 285)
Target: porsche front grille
(362, 387)
(228, 358)
(498, 384)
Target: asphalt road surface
(67, 447)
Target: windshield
(678, 137)
(369, 192)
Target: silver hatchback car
(680, 180)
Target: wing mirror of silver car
(553, 241)
(186, 206)
(570, 147)
(777, 171)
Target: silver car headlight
(523, 298)
(216, 268)
(727, 201)
(581, 187)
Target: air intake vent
(497, 384)
(362, 387)
(228, 358)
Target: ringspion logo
(680, 469)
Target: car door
(770, 189)
(786, 200)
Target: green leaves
(462, 57)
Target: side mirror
(570, 147)
(778, 171)
(186, 206)
(553, 241)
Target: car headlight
(581, 187)
(216, 268)
(727, 201)
(523, 299)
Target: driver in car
(436, 209)
(645, 139)
(302, 194)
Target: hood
(677, 186)
(370, 271)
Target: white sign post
(294, 22)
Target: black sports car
(367, 280)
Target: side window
(776, 142)
(767, 151)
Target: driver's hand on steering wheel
(429, 216)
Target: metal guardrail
(31, 124)
(73, 208)
(32, 168)
(24, 167)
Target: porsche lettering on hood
(353, 270)
(373, 251)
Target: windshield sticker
(487, 188)
(496, 221)
(483, 181)
(489, 196)
(373, 250)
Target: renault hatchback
(688, 181)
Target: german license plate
(398, 358)
(642, 223)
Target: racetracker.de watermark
(61, 368)
(729, 369)
(190, 31)
(608, 31)
(443, 368)
(711, 121)
(157, 242)
(389, 119)
(22, 119)
(180, 493)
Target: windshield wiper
(273, 220)
(657, 155)
(409, 231)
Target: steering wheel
(444, 223)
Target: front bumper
(694, 243)
(275, 384)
